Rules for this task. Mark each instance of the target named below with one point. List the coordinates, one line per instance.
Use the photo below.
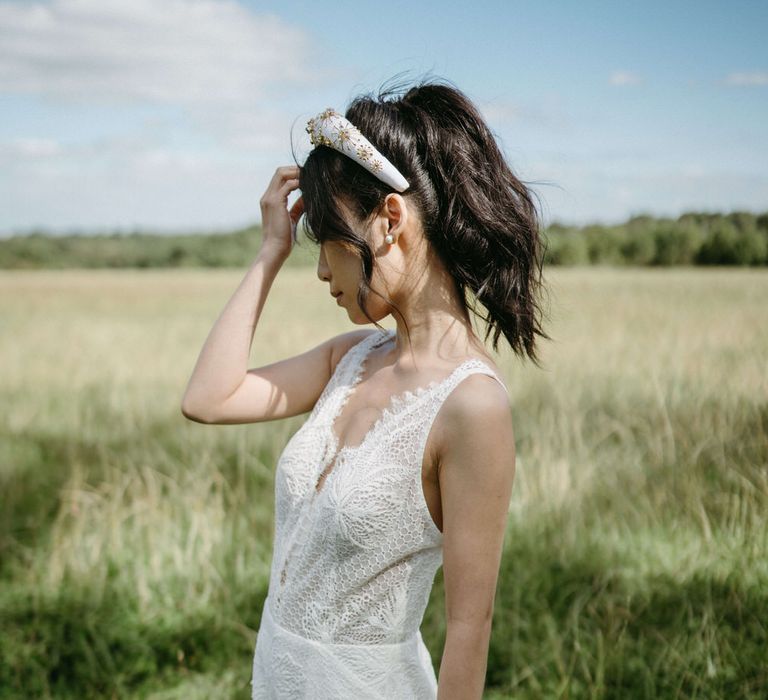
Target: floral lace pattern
(353, 562)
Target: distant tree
(638, 247)
(744, 221)
(691, 218)
(753, 248)
(556, 228)
(566, 248)
(640, 222)
(676, 244)
(603, 244)
(726, 245)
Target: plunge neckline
(397, 402)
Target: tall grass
(135, 545)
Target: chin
(357, 316)
(361, 320)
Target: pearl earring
(389, 238)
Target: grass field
(135, 545)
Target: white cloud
(221, 77)
(175, 51)
(502, 111)
(622, 77)
(753, 78)
(31, 148)
(548, 113)
(222, 65)
(123, 182)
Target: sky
(172, 115)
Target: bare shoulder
(344, 342)
(475, 416)
(475, 399)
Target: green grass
(135, 545)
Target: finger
(288, 171)
(287, 187)
(283, 172)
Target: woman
(407, 459)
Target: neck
(438, 326)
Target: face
(341, 267)
(342, 270)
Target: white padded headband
(329, 128)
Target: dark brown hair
(477, 215)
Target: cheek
(339, 259)
(348, 270)
(380, 279)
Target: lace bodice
(354, 562)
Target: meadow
(135, 545)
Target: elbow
(476, 628)
(193, 413)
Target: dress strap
(472, 366)
(488, 371)
(349, 364)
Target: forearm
(223, 360)
(464, 662)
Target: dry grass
(135, 545)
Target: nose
(322, 271)
(322, 267)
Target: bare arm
(221, 389)
(214, 390)
(476, 471)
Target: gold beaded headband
(329, 128)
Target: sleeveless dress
(353, 564)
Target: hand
(277, 223)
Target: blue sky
(173, 115)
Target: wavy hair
(477, 215)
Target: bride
(407, 458)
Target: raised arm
(222, 363)
(222, 389)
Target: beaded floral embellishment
(329, 128)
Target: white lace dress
(353, 564)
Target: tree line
(736, 238)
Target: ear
(396, 211)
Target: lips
(336, 295)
